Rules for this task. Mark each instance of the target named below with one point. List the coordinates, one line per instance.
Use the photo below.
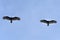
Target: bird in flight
(11, 18)
(48, 22)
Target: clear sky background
(30, 12)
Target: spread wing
(52, 21)
(15, 18)
(44, 21)
(6, 17)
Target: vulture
(48, 22)
(11, 18)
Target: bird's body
(48, 22)
(11, 18)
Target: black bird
(48, 22)
(11, 18)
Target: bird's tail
(47, 24)
(10, 21)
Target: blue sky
(30, 12)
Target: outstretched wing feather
(15, 18)
(44, 21)
(52, 21)
(6, 17)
